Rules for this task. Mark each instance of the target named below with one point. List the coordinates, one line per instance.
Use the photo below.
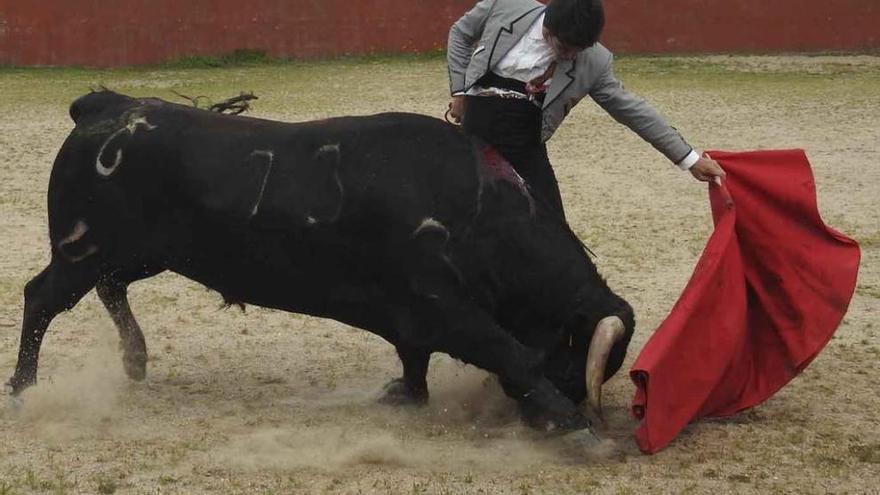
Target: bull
(396, 223)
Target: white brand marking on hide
(106, 171)
(118, 159)
(430, 223)
(134, 121)
(328, 148)
(321, 151)
(446, 259)
(271, 155)
(79, 230)
(341, 194)
(90, 251)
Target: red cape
(768, 292)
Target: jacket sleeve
(462, 37)
(635, 113)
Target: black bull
(395, 223)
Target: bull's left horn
(608, 331)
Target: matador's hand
(456, 109)
(706, 169)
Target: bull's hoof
(595, 418)
(554, 423)
(135, 365)
(13, 401)
(17, 384)
(586, 444)
(398, 393)
(586, 438)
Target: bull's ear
(322, 186)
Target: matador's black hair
(576, 23)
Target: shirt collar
(536, 32)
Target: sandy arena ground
(270, 403)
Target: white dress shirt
(529, 58)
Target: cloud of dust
(78, 396)
(469, 424)
(468, 396)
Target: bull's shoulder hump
(97, 102)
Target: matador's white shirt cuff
(689, 160)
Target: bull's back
(240, 166)
(147, 175)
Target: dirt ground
(270, 403)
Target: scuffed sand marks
(467, 439)
(323, 448)
(468, 424)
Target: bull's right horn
(608, 331)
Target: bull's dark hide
(395, 223)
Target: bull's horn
(608, 331)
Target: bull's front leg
(473, 336)
(412, 387)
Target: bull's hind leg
(412, 388)
(114, 295)
(57, 288)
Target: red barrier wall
(684, 26)
(123, 32)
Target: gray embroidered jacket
(483, 35)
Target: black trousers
(513, 127)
